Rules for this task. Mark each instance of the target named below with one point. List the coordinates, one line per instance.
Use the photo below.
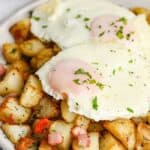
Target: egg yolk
(73, 76)
(110, 28)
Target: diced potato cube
(16, 132)
(123, 130)
(12, 112)
(32, 92)
(65, 130)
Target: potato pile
(32, 120)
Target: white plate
(6, 37)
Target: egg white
(127, 87)
(63, 20)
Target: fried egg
(73, 22)
(101, 82)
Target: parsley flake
(114, 72)
(81, 71)
(94, 103)
(130, 110)
(130, 61)
(44, 26)
(86, 19)
(36, 18)
(101, 34)
(68, 9)
(92, 81)
(124, 20)
(78, 16)
(100, 85)
(77, 81)
(119, 34)
(87, 27)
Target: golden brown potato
(64, 129)
(31, 47)
(45, 146)
(32, 92)
(66, 114)
(16, 132)
(108, 142)
(26, 143)
(123, 130)
(95, 127)
(141, 10)
(12, 83)
(43, 56)
(12, 112)
(21, 30)
(82, 122)
(148, 118)
(22, 67)
(94, 143)
(144, 130)
(11, 52)
(47, 108)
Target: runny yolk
(73, 76)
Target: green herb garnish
(101, 34)
(44, 26)
(36, 18)
(81, 71)
(92, 81)
(100, 85)
(130, 110)
(86, 19)
(68, 9)
(76, 105)
(87, 27)
(131, 85)
(114, 72)
(123, 19)
(94, 103)
(119, 34)
(77, 81)
(78, 16)
(130, 61)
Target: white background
(8, 7)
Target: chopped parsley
(94, 103)
(102, 33)
(128, 36)
(44, 26)
(114, 72)
(119, 34)
(100, 85)
(130, 61)
(86, 19)
(13, 50)
(36, 18)
(77, 106)
(68, 9)
(130, 110)
(95, 63)
(77, 81)
(78, 16)
(92, 81)
(131, 85)
(87, 27)
(81, 71)
(123, 20)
